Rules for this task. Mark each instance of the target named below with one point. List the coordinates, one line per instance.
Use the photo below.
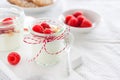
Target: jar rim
(50, 21)
(17, 12)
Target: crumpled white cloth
(100, 49)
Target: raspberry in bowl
(50, 40)
(80, 20)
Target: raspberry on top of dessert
(45, 28)
(6, 25)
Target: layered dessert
(9, 34)
(50, 47)
(11, 25)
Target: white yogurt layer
(52, 47)
(10, 41)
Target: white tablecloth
(100, 60)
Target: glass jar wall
(50, 50)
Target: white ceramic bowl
(37, 9)
(89, 14)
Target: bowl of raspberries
(80, 20)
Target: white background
(100, 61)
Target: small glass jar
(50, 50)
(11, 25)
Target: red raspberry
(68, 17)
(77, 13)
(48, 31)
(7, 21)
(38, 28)
(86, 23)
(80, 18)
(73, 22)
(45, 25)
(13, 58)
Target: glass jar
(11, 25)
(50, 51)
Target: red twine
(34, 39)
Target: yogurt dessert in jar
(49, 41)
(11, 23)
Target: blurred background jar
(11, 25)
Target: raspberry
(68, 17)
(7, 21)
(13, 58)
(48, 31)
(86, 23)
(45, 25)
(80, 18)
(38, 28)
(73, 22)
(77, 13)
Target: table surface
(100, 60)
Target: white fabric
(100, 59)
